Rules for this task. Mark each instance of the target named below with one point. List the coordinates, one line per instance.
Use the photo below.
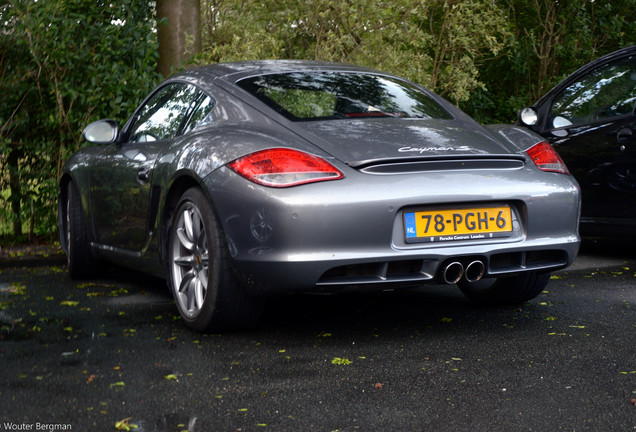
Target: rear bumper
(351, 232)
(337, 272)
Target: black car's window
(333, 95)
(161, 117)
(605, 92)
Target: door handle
(143, 174)
(624, 135)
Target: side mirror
(101, 132)
(529, 116)
(560, 122)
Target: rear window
(336, 95)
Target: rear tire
(506, 290)
(79, 258)
(201, 275)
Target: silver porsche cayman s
(244, 180)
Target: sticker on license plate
(458, 224)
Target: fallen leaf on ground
(125, 425)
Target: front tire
(506, 290)
(201, 276)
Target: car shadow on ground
(406, 307)
(366, 312)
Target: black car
(590, 119)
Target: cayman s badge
(432, 149)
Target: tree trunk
(179, 34)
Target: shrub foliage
(63, 64)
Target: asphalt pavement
(112, 354)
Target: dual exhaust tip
(454, 271)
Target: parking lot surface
(112, 354)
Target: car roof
(235, 71)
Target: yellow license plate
(458, 224)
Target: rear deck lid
(387, 140)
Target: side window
(161, 117)
(201, 113)
(603, 93)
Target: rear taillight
(546, 158)
(281, 167)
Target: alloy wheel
(189, 258)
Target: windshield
(335, 95)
